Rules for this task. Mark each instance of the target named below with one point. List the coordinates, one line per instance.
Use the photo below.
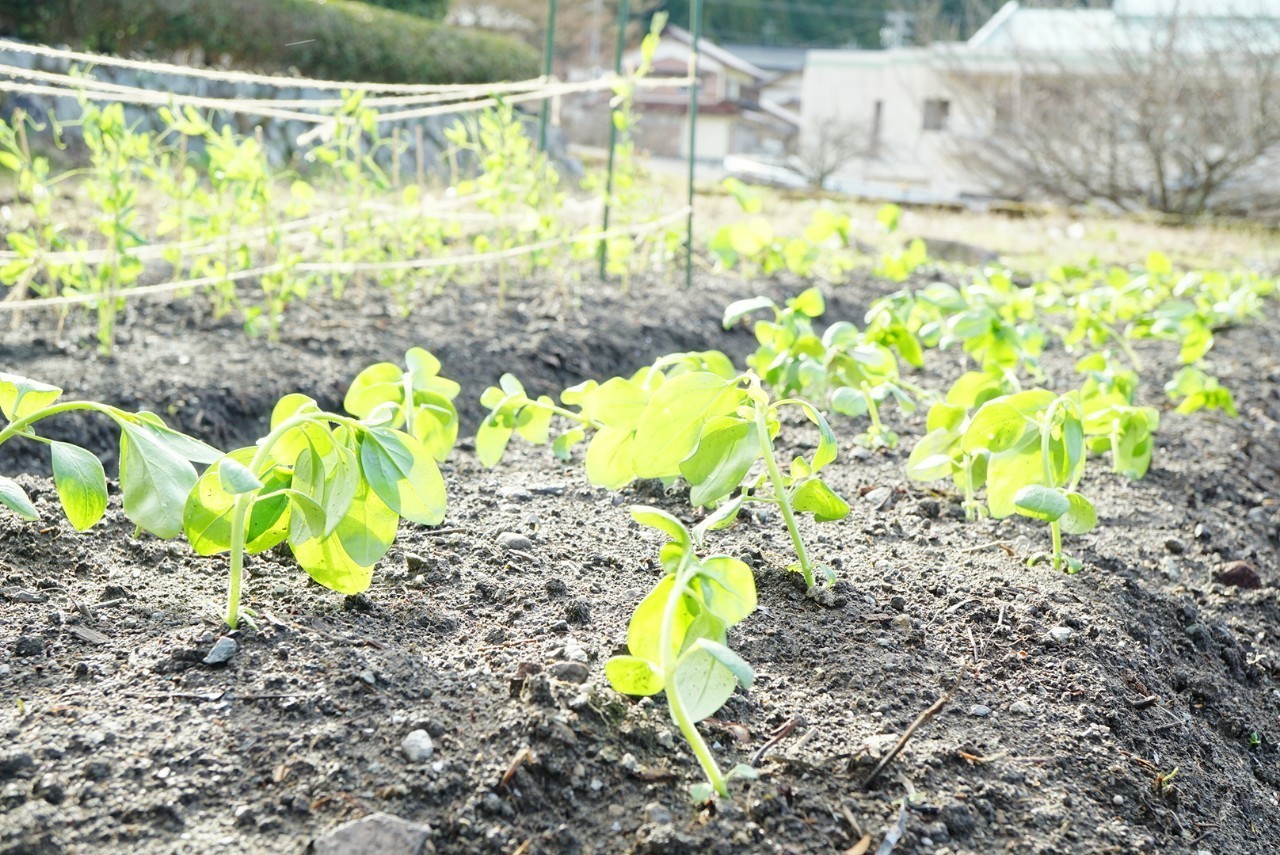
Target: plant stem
(780, 496)
(20, 426)
(244, 503)
(1055, 530)
(670, 663)
(872, 411)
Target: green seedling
(332, 486)
(156, 471)
(842, 368)
(1036, 444)
(949, 450)
(415, 396)
(1196, 390)
(1112, 423)
(677, 641)
(688, 416)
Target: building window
(936, 113)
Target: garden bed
(1070, 702)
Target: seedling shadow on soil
(1072, 698)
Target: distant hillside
(332, 39)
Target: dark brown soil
(1072, 699)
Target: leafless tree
(829, 145)
(1182, 117)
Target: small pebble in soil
(980, 710)
(513, 542)
(1169, 567)
(1240, 574)
(578, 611)
(417, 746)
(1117, 800)
(1175, 546)
(569, 672)
(223, 649)
(656, 813)
(1061, 634)
(1020, 708)
(28, 645)
(556, 587)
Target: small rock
(244, 816)
(1117, 800)
(367, 676)
(1021, 708)
(415, 563)
(1061, 634)
(417, 746)
(569, 672)
(574, 651)
(556, 587)
(1257, 514)
(578, 611)
(1169, 567)
(16, 764)
(1175, 546)
(513, 542)
(980, 710)
(51, 790)
(1240, 574)
(515, 494)
(1202, 532)
(28, 645)
(223, 649)
(656, 813)
(879, 497)
(378, 832)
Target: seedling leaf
(81, 484)
(13, 497)
(670, 425)
(1042, 503)
(22, 396)
(726, 450)
(155, 481)
(1080, 516)
(632, 675)
(404, 475)
(814, 496)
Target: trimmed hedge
(331, 39)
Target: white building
(916, 108)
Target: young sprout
(677, 641)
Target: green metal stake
(548, 54)
(624, 12)
(695, 26)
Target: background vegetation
(331, 39)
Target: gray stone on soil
(417, 746)
(1061, 634)
(16, 764)
(28, 645)
(379, 832)
(569, 672)
(223, 649)
(657, 813)
(980, 710)
(513, 542)
(1021, 708)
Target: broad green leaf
(727, 588)
(1040, 502)
(1080, 517)
(378, 384)
(848, 401)
(327, 561)
(664, 522)
(307, 520)
(562, 444)
(188, 447)
(22, 396)
(644, 632)
(404, 475)
(944, 416)
(81, 484)
(13, 497)
(741, 670)
(368, 528)
(996, 427)
(739, 309)
(672, 422)
(725, 452)
(1010, 471)
(492, 438)
(435, 424)
(534, 422)
(632, 675)
(809, 302)
(609, 461)
(931, 459)
(236, 478)
(722, 517)
(155, 481)
(617, 403)
(702, 683)
(814, 496)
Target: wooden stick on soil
(906, 737)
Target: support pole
(695, 27)
(624, 12)
(548, 55)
